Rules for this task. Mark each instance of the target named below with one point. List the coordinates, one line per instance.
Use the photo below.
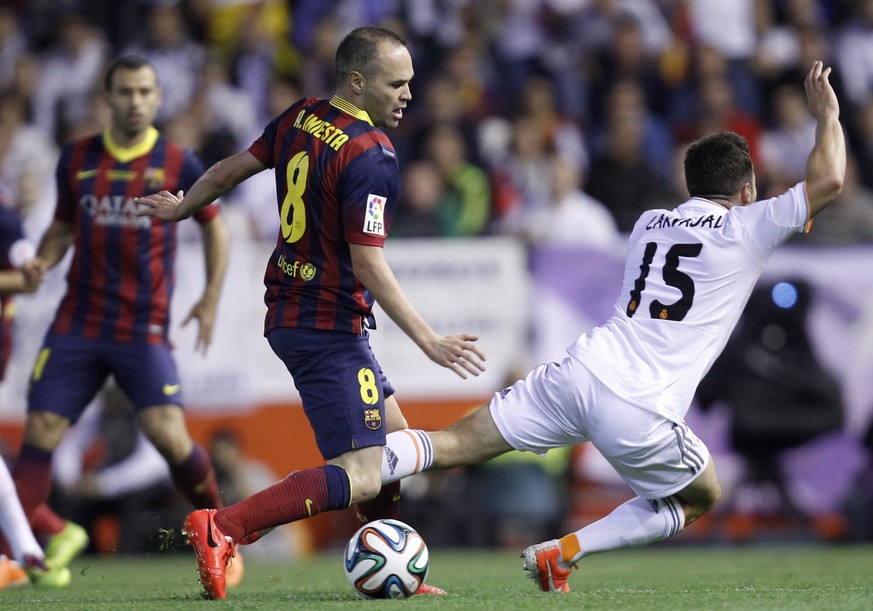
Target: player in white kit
(627, 385)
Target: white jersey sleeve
(688, 276)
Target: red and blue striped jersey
(337, 183)
(121, 276)
(11, 234)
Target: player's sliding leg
(469, 441)
(636, 522)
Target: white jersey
(688, 276)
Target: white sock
(407, 452)
(636, 522)
(13, 522)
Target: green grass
(658, 577)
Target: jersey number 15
(672, 277)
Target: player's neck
(124, 139)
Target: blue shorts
(71, 370)
(340, 383)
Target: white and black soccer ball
(386, 559)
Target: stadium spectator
(418, 215)
(713, 107)
(862, 138)
(13, 44)
(731, 28)
(786, 144)
(626, 57)
(320, 292)
(854, 53)
(622, 174)
(615, 389)
(464, 207)
(114, 318)
(520, 177)
(27, 159)
(69, 74)
(179, 59)
(572, 218)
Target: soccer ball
(386, 559)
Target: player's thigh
(146, 373)
(542, 411)
(657, 457)
(68, 374)
(394, 418)
(340, 384)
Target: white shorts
(562, 404)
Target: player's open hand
(820, 96)
(163, 205)
(457, 352)
(204, 312)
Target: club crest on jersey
(153, 178)
(373, 418)
(374, 219)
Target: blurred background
(538, 131)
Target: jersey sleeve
(192, 169)
(768, 223)
(262, 150)
(368, 196)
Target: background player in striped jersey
(114, 317)
(627, 384)
(27, 557)
(337, 182)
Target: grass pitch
(657, 577)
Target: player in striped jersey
(337, 181)
(627, 385)
(114, 317)
(27, 557)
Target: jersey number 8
(296, 175)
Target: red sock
(302, 494)
(46, 522)
(385, 505)
(195, 478)
(32, 473)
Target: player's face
(134, 98)
(387, 92)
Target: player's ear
(356, 82)
(747, 193)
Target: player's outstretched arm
(826, 165)
(215, 182)
(456, 352)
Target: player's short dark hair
(718, 165)
(359, 49)
(126, 62)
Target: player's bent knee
(365, 488)
(45, 429)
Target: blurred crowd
(557, 121)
